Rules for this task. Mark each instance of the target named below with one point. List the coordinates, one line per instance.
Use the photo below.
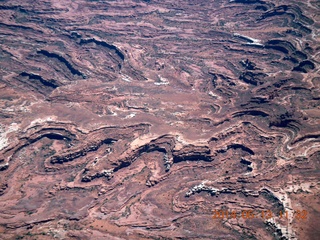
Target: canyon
(137, 119)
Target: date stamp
(300, 215)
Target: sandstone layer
(137, 119)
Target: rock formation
(138, 119)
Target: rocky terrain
(137, 119)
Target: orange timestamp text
(263, 214)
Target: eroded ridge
(137, 119)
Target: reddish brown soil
(137, 119)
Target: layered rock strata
(137, 119)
